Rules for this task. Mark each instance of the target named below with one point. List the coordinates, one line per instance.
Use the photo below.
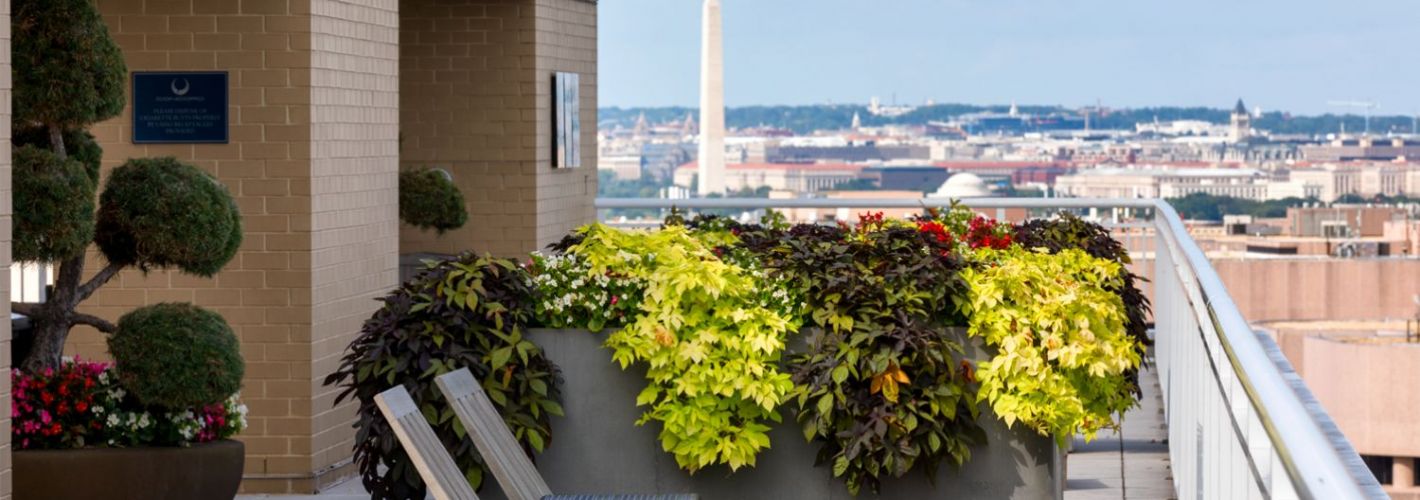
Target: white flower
(113, 420)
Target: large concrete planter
(201, 471)
(597, 447)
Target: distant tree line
(1199, 206)
(806, 119)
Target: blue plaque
(179, 107)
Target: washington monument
(712, 103)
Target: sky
(1284, 55)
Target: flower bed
(706, 308)
(81, 404)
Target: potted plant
(153, 425)
(428, 199)
(768, 361)
(153, 214)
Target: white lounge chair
(511, 467)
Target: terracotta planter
(201, 471)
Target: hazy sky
(1277, 54)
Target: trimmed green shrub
(429, 200)
(176, 355)
(68, 71)
(79, 144)
(465, 312)
(54, 198)
(164, 213)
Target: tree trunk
(55, 318)
(56, 142)
(48, 347)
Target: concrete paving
(1103, 470)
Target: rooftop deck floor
(1103, 469)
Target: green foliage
(429, 200)
(1063, 355)
(1069, 231)
(79, 144)
(68, 71)
(468, 312)
(164, 213)
(711, 346)
(176, 356)
(883, 385)
(1200, 206)
(55, 201)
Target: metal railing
(1237, 429)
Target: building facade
(328, 99)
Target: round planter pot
(201, 471)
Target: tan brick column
(6, 224)
(311, 162)
(476, 81)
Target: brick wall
(566, 41)
(354, 189)
(311, 163)
(6, 223)
(476, 79)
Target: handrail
(1314, 466)
(762, 203)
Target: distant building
(844, 153)
(1166, 183)
(1363, 148)
(963, 185)
(1365, 180)
(795, 177)
(622, 167)
(1241, 122)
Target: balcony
(1223, 415)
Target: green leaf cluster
(69, 73)
(1063, 356)
(1067, 230)
(161, 212)
(711, 350)
(883, 385)
(176, 356)
(465, 312)
(428, 199)
(55, 197)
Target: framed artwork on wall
(567, 120)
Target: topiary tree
(176, 356)
(154, 213)
(428, 199)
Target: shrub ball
(68, 71)
(176, 355)
(159, 212)
(79, 144)
(429, 200)
(54, 206)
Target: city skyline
(1288, 56)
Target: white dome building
(963, 185)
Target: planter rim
(115, 449)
